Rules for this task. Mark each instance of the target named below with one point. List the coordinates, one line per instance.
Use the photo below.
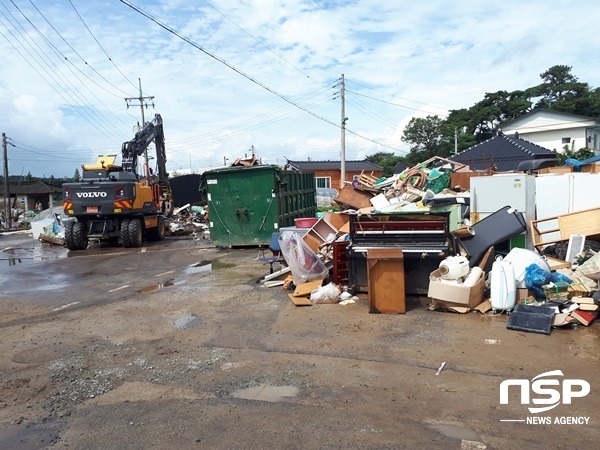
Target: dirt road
(176, 346)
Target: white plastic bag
(325, 294)
(304, 264)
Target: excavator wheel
(161, 229)
(135, 233)
(75, 236)
(69, 239)
(125, 233)
(80, 236)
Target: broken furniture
(275, 250)
(424, 238)
(535, 319)
(493, 229)
(586, 223)
(385, 268)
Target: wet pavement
(175, 345)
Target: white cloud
(424, 56)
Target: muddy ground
(176, 345)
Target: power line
(395, 104)
(240, 72)
(394, 96)
(80, 57)
(264, 45)
(99, 45)
(64, 58)
(52, 85)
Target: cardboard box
(446, 294)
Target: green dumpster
(246, 205)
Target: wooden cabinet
(385, 269)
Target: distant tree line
(559, 91)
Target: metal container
(247, 204)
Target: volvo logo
(91, 194)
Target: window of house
(566, 140)
(323, 182)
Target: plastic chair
(275, 249)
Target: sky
(232, 77)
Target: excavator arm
(131, 150)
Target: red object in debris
(305, 222)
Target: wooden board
(385, 272)
(585, 222)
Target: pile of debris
(189, 220)
(369, 248)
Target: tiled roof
(506, 152)
(351, 166)
(29, 188)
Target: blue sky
(278, 90)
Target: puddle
(156, 287)
(26, 438)
(204, 266)
(188, 321)
(29, 255)
(455, 432)
(267, 393)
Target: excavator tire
(135, 233)
(80, 236)
(69, 239)
(125, 233)
(158, 233)
(75, 236)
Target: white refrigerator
(564, 194)
(491, 193)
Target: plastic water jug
(503, 285)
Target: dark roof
(505, 151)
(400, 167)
(351, 166)
(29, 188)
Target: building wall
(547, 129)
(552, 140)
(335, 176)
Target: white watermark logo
(547, 391)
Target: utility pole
(143, 103)
(7, 212)
(455, 141)
(343, 140)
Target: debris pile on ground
(189, 220)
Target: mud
(215, 360)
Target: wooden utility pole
(7, 211)
(343, 137)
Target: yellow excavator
(115, 202)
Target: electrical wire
(240, 72)
(63, 58)
(80, 57)
(99, 45)
(265, 46)
(79, 110)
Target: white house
(553, 130)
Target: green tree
(52, 180)
(386, 160)
(427, 137)
(76, 175)
(28, 177)
(570, 152)
(560, 90)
